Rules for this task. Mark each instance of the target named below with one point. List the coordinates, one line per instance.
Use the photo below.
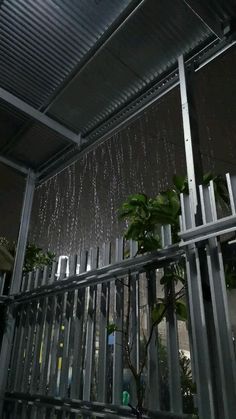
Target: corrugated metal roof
(47, 46)
(42, 41)
(11, 121)
(38, 145)
(149, 45)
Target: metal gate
(67, 326)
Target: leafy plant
(146, 215)
(35, 257)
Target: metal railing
(67, 362)
(62, 347)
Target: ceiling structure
(73, 70)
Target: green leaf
(158, 312)
(181, 310)
(180, 183)
(138, 199)
(207, 177)
(111, 328)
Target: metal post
(192, 152)
(199, 304)
(16, 281)
(23, 233)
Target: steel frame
(215, 371)
(14, 165)
(202, 12)
(162, 87)
(84, 145)
(16, 278)
(23, 232)
(104, 274)
(39, 116)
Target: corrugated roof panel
(221, 9)
(38, 145)
(155, 37)
(10, 123)
(94, 94)
(42, 41)
(146, 46)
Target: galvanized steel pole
(16, 282)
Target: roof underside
(83, 63)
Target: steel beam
(16, 281)
(14, 165)
(38, 116)
(203, 12)
(23, 233)
(188, 143)
(160, 89)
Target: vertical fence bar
(78, 334)
(40, 322)
(29, 345)
(103, 322)
(68, 319)
(89, 345)
(202, 363)
(118, 337)
(153, 371)
(47, 343)
(2, 283)
(223, 332)
(17, 342)
(52, 390)
(172, 337)
(134, 322)
(231, 184)
(21, 348)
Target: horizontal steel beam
(132, 110)
(14, 165)
(93, 409)
(203, 232)
(58, 166)
(200, 9)
(39, 116)
(135, 265)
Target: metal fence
(62, 346)
(67, 357)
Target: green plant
(35, 257)
(145, 215)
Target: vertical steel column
(23, 232)
(191, 156)
(16, 281)
(200, 307)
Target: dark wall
(215, 100)
(11, 196)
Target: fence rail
(75, 321)
(62, 346)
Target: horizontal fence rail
(63, 348)
(214, 356)
(81, 326)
